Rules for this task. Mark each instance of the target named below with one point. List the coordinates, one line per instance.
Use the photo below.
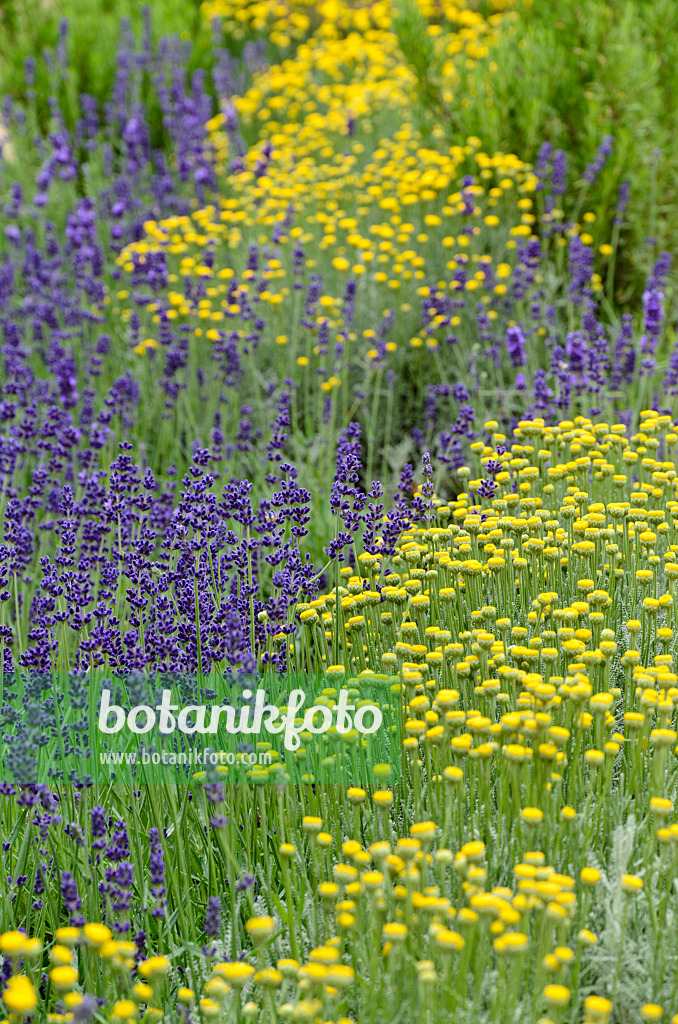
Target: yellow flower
(269, 978)
(60, 955)
(96, 934)
(631, 884)
(661, 806)
(260, 928)
(13, 943)
(288, 968)
(67, 936)
(449, 941)
(424, 830)
(511, 943)
(532, 815)
(123, 1010)
(19, 996)
(556, 995)
(340, 976)
(238, 974)
(473, 851)
(154, 967)
(394, 931)
(216, 988)
(597, 1008)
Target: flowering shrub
(221, 363)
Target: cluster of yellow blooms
(395, 252)
(397, 898)
(339, 167)
(532, 631)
